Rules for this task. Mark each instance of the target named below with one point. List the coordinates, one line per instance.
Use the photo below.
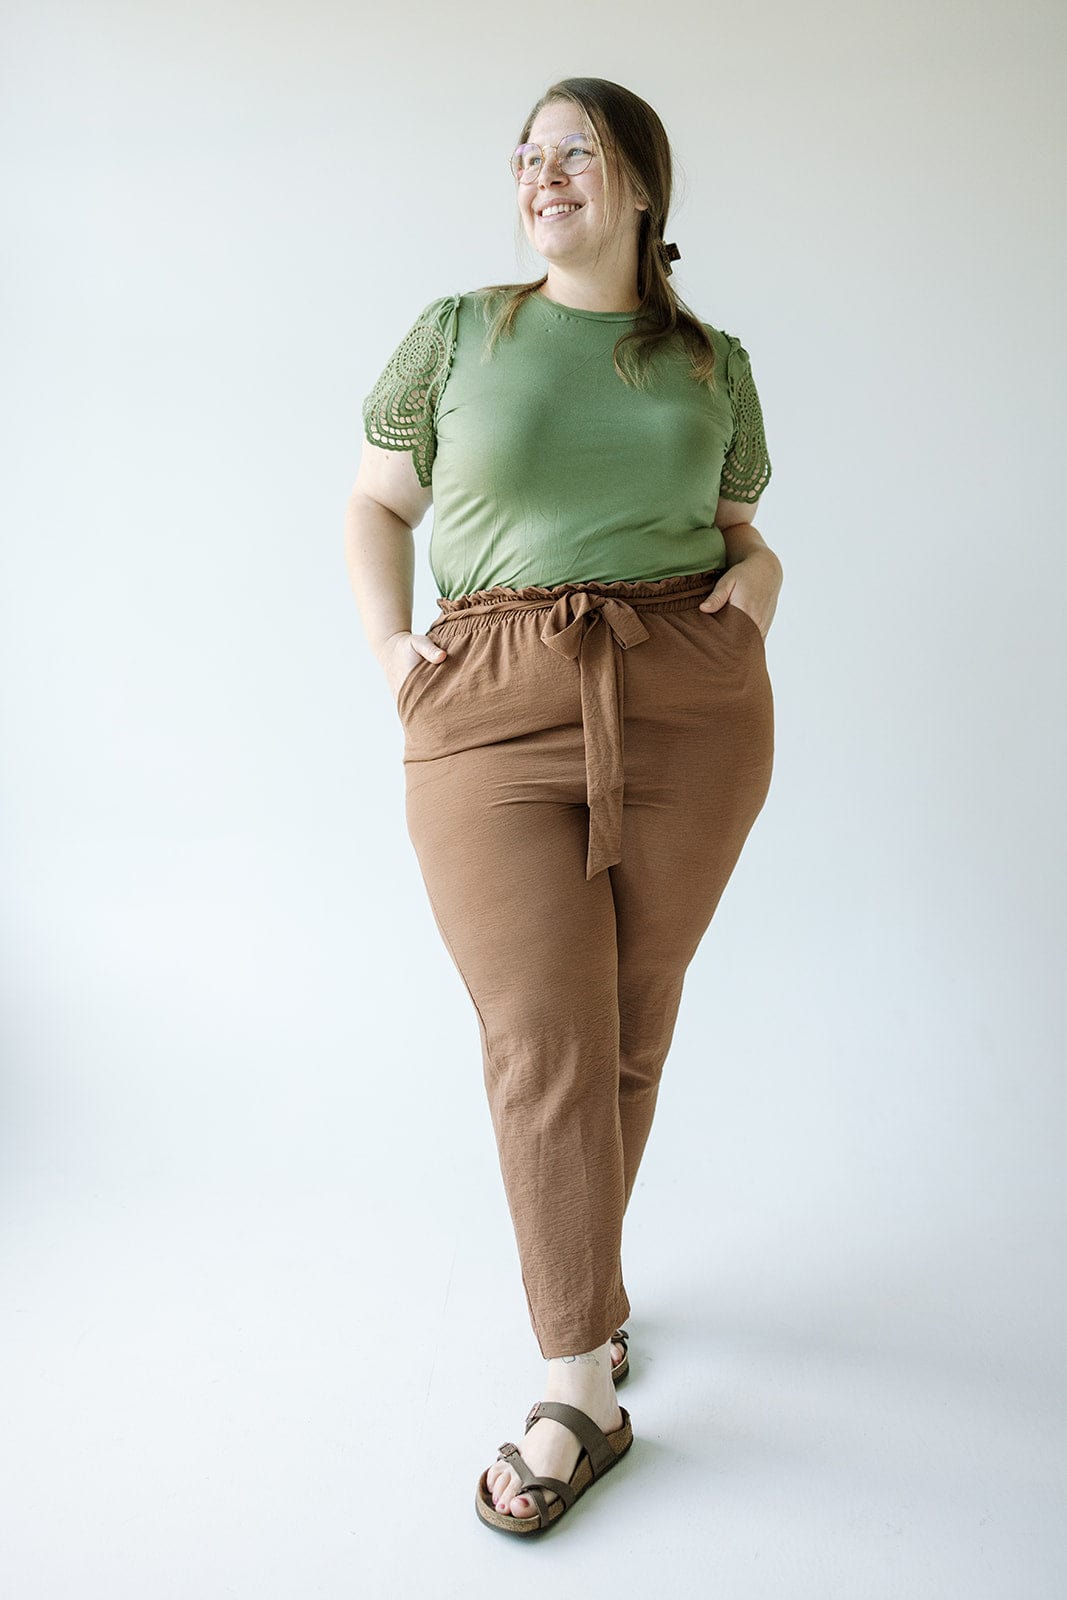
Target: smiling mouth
(556, 215)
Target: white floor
(214, 1392)
(262, 1323)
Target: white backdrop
(263, 1318)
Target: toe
(523, 1506)
(500, 1482)
(504, 1490)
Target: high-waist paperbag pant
(582, 770)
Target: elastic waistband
(664, 594)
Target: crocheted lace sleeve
(400, 411)
(746, 471)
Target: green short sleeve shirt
(545, 466)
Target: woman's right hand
(399, 655)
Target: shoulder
(719, 339)
(728, 347)
(440, 312)
(448, 306)
(734, 361)
(453, 320)
(440, 322)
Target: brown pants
(582, 770)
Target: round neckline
(576, 311)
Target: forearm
(380, 555)
(742, 540)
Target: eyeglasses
(573, 154)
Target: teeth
(558, 211)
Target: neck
(612, 289)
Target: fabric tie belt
(585, 626)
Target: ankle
(587, 1368)
(584, 1358)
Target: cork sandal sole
(600, 1452)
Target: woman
(588, 723)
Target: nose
(543, 184)
(551, 166)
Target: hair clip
(668, 253)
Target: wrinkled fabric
(581, 773)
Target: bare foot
(550, 1448)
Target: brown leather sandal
(619, 1370)
(600, 1452)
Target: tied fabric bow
(586, 627)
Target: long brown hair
(636, 147)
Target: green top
(546, 467)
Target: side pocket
(418, 681)
(744, 625)
(406, 684)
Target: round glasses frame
(547, 151)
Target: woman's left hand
(752, 585)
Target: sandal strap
(529, 1480)
(540, 1502)
(620, 1336)
(592, 1438)
(510, 1453)
(557, 1485)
